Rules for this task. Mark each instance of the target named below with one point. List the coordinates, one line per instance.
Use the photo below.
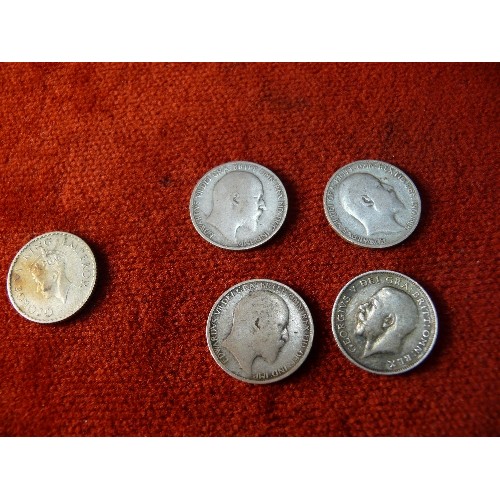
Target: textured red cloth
(111, 153)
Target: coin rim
(225, 247)
(284, 375)
(14, 260)
(348, 356)
(354, 242)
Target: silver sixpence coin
(260, 331)
(384, 322)
(238, 205)
(372, 204)
(51, 277)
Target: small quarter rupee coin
(259, 331)
(384, 322)
(238, 205)
(372, 204)
(51, 277)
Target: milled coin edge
(377, 372)
(11, 268)
(284, 375)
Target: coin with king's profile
(384, 322)
(51, 277)
(259, 331)
(372, 204)
(238, 205)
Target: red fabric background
(111, 153)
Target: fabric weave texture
(111, 153)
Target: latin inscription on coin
(238, 205)
(260, 331)
(51, 277)
(372, 204)
(384, 322)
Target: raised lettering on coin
(51, 277)
(238, 205)
(372, 204)
(384, 322)
(259, 331)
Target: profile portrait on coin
(259, 329)
(49, 274)
(237, 202)
(385, 320)
(372, 202)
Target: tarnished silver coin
(384, 322)
(238, 205)
(372, 204)
(259, 331)
(51, 277)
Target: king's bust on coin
(238, 205)
(51, 277)
(372, 204)
(384, 322)
(259, 331)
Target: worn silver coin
(372, 204)
(238, 205)
(259, 331)
(51, 277)
(384, 322)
